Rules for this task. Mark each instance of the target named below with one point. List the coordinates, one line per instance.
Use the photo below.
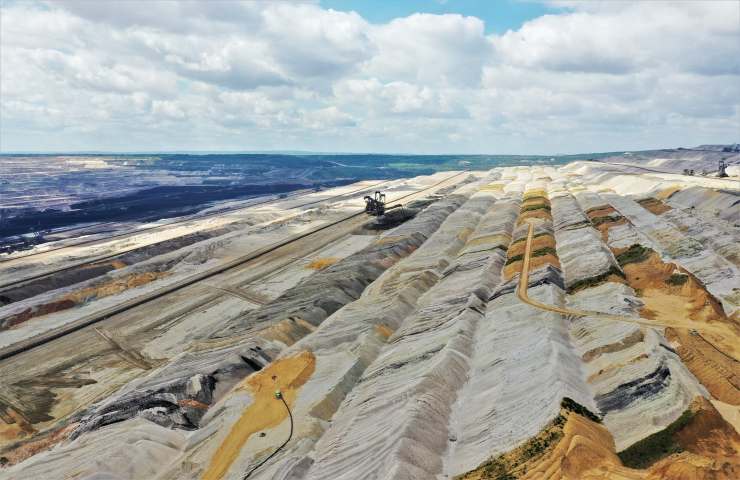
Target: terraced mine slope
(538, 322)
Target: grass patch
(540, 206)
(537, 253)
(658, 445)
(605, 219)
(544, 251)
(596, 279)
(677, 279)
(635, 254)
(537, 235)
(515, 258)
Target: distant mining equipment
(375, 205)
(385, 217)
(722, 169)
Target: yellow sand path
(286, 375)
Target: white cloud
(327, 118)
(309, 42)
(396, 98)
(280, 75)
(164, 15)
(623, 37)
(430, 49)
(168, 109)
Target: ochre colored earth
(574, 447)
(671, 295)
(286, 375)
(83, 295)
(654, 205)
(322, 263)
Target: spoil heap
(578, 322)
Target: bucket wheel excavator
(376, 207)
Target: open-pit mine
(577, 321)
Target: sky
(374, 76)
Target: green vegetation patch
(540, 206)
(635, 254)
(575, 407)
(605, 219)
(515, 258)
(596, 279)
(504, 467)
(677, 279)
(658, 445)
(540, 252)
(497, 469)
(537, 235)
(537, 253)
(535, 447)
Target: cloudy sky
(507, 76)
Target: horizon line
(311, 152)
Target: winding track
(357, 219)
(522, 287)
